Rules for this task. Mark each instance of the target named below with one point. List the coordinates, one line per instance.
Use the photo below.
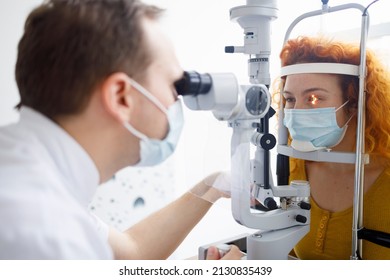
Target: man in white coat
(96, 82)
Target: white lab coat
(46, 182)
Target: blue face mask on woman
(155, 151)
(314, 129)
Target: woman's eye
(313, 99)
(289, 99)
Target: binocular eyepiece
(193, 83)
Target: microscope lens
(193, 83)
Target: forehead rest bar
(320, 68)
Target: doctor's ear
(116, 97)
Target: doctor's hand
(213, 187)
(233, 254)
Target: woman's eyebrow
(310, 90)
(287, 92)
(306, 91)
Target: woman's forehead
(303, 82)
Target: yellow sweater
(330, 235)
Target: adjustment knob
(268, 141)
(304, 205)
(270, 203)
(229, 49)
(301, 219)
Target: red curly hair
(377, 131)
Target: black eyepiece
(193, 83)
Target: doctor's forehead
(162, 50)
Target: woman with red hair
(330, 101)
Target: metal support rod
(265, 130)
(357, 218)
(320, 12)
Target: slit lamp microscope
(247, 109)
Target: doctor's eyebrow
(306, 91)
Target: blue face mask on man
(314, 129)
(155, 151)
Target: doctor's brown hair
(70, 46)
(377, 130)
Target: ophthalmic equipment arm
(246, 109)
